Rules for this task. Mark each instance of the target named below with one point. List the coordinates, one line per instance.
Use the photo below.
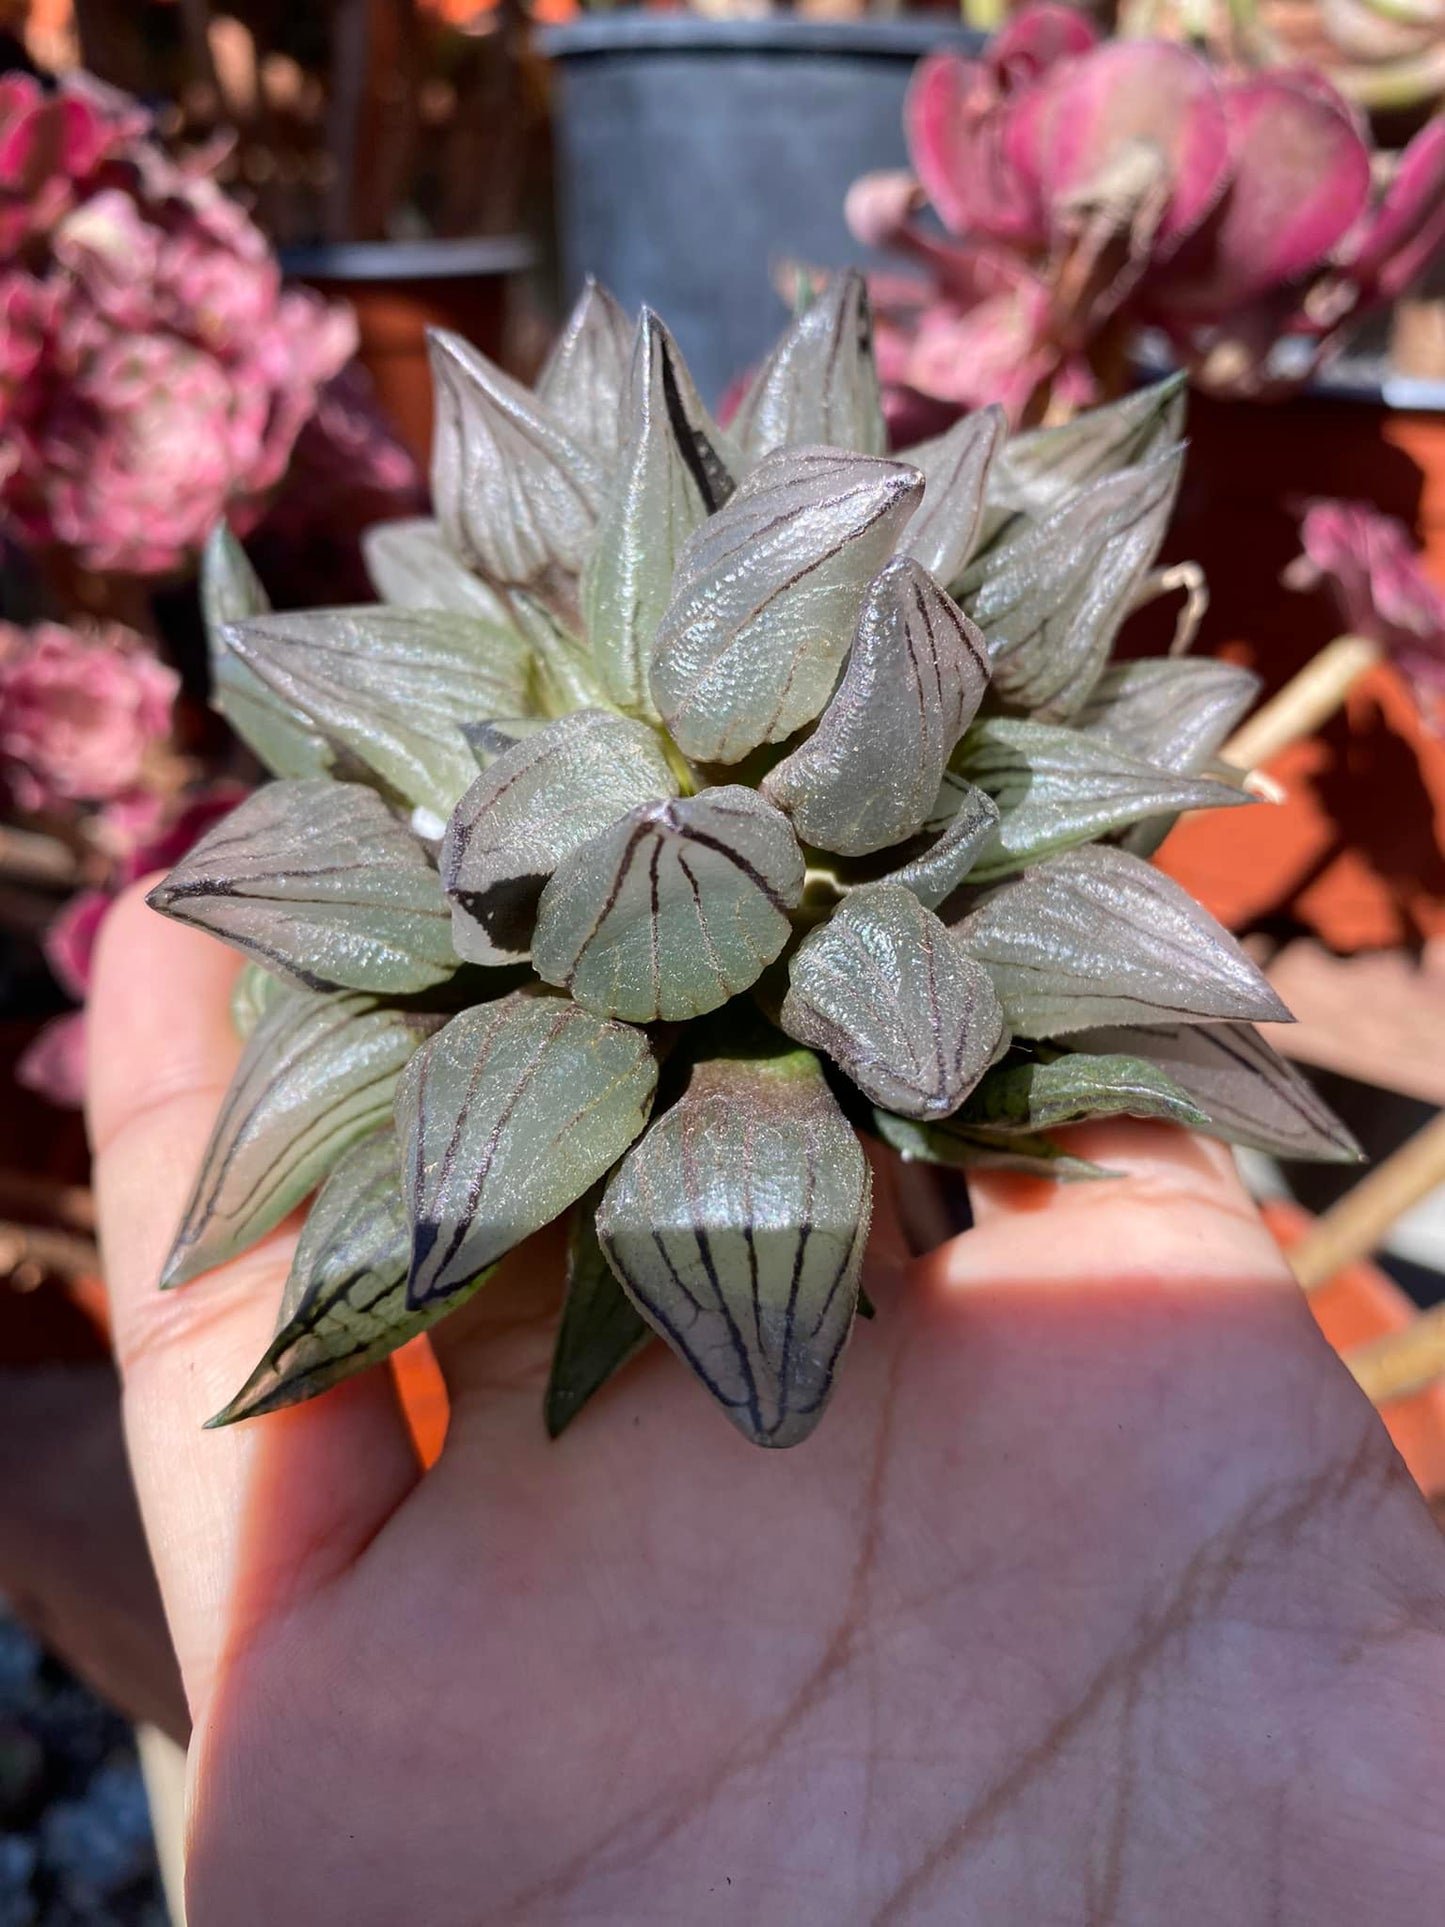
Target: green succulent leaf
(1175, 713)
(539, 800)
(1096, 936)
(669, 480)
(888, 992)
(319, 882)
(388, 689)
(949, 1142)
(869, 775)
(601, 1329)
(1043, 468)
(252, 995)
(936, 868)
(506, 1117)
(493, 738)
(674, 909)
(1056, 788)
(738, 1227)
(1052, 598)
(1247, 1092)
(317, 1074)
(1074, 1088)
(231, 592)
(585, 376)
(944, 531)
(411, 567)
(767, 594)
(819, 386)
(344, 1306)
(516, 496)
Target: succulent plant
(694, 803)
(1086, 190)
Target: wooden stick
(1403, 1362)
(1354, 1226)
(1307, 701)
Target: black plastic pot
(693, 155)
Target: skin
(1100, 1596)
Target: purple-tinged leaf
(892, 996)
(738, 1227)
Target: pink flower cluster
(1376, 575)
(78, 712)
(1084, 189)
(154, 375)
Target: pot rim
(690, 33)
(428, 260)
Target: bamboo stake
(1403, 1362)
(1307, 701)
(1353, 1227)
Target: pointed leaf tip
(738, 1227)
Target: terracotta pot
(1355, 851)
(399, 290)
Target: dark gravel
(75, 1839)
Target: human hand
(1099, 1595)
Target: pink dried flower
(1375, 572)
(54, 1064)
(154, 375)
(1104, 186)
(78, 712)
(70, 941)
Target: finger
(239, 1520)
(1173, 1205)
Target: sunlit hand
(1099, 1596)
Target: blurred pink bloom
(70, 941)
(78, 712)
(1089, 188)
(1375, 571)
(154, 375)
(54, 1063)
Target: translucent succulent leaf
(317, 1074)
(819, 385)
(585, 375)
(1071, 1089)
(1052, 599)
(539, 800)
(411, 567)
(1056, 788)
(231, 592)
(1096, 936)
(955, 467)
(738, 1227)
(1176, 714)
(505, 1118)
(319, 882)
(669, 479)
(950, 1143)
(566, 678)
(934, 871)
(516, 496)
(1248, 1092)
(389, 688)
(892, 996)
(493, 738)
(601, 1329)
(766, 597)
(252, 995)
(869, 774)
(344, 1307)
(1045, 468)
(674, 909)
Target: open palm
(1099, 1596)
